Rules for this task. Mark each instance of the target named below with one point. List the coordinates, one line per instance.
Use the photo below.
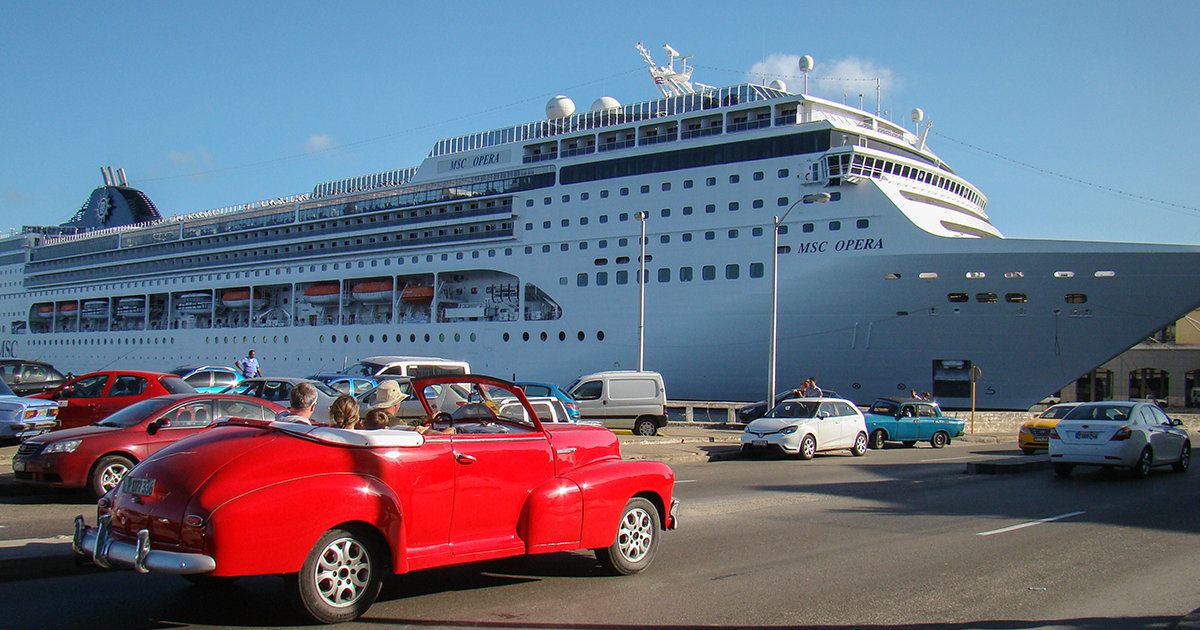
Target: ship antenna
(666, 79)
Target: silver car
(24, 417)
(806, 426)
(1125, 434)
(279, 390)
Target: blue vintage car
(908, 421)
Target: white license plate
(138, 485)
(62, 403)
(758, 442)
(1086, 435)
(18, 466)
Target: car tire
(808, 447)
(909, 443)
(1028, 451)
(860, 445)
(1141, 469)
(645, 426)
(339, 579)
(878, 437)
(636, 540)
(1185, 458)
(1063, 470)
(107, 473)
(939, 439)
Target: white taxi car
(806, 426)
(1126, 434)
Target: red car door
(79, 399)
(124, 390)
(179, 422)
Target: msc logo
(8, 349)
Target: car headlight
(789, 430)
(64, 446)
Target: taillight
(1054, 435)
(1123, 433)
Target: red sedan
(99, 455)
(334, 510)
(91, 397)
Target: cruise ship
(520, 250)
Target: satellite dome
(778, 84)
(604, 104)
(806, 63)
(917, 114)
(560, 107)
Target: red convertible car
(91, 397)
(359, 504)
(98, 455)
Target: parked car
(410, 407)
(26, 377)
(366, 502)
(208, 378)
(623, 400)
(807, 426)
(349, 385)
(406, 366)
(550, 389)
(1127, 434)
(549, 409)
(90, 398)
(911, 420)
(1034, 434)
(279, 390)
(97, 456)
(756, 410)
(24, 417)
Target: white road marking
(1029, 524)
(686, 480)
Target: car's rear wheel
(808, 447)
(909, 443)
(645, 426)
(860, 445)
(939, 439)
(878, 437)
(1185, 458)
(339, 579)
(1141, 469)
(107, 473)
(1063, 470)
(636, 542)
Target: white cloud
(318, 142)
(828, 79)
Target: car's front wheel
(1185, 458)
(107, 473)
(1141, 469)
(939, 439)
(860, 445)
(878, 437)
(636, 542)
(808, 447)
(645, 426)
(339, 579)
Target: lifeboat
(95, 309)
(68, 309)
(417, 294)
(193, 303)
(323, 294)
(242, 300)
(131, 307)
(42, 311)
(375, 291)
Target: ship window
(566, 222)
(545, 249)
(665, 238)
(1105, 274)
(664, 275)
(666, 186)
(835, 226)
(583, 220)
(666, 212)
(622, 277)
(708, 236)
(1015, 298)
(601, 278)
(687, 183)
(756, 270)
(758, 175)
(758, 203)
(758, 231)
(783, 172)
(624, 216)
(604, 194)
(927, 275)
(545, 225)
(986, 298)
(782, 201)
(583, 196)
(645, 188)
(733, 233)
(712, 207)
(687, 237)
(732, 272)
(685, 274)
(891, 276)
(545, 202)
(711, 181)
(624, 192)
(566, 198)
(975, 275)
(600, 262)
(733, 179)
(957, 297)
(581, 280)
(807, 227)
(708, 272)
(604, 218)
(733, 206)
(1064, 274)
(1075, 298)
(687, 210)
(862, 224)
(564, 247)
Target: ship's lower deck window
(986, 298)
(957, 297)
(1015, 298)
(1075, 298)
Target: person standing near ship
(248, 366)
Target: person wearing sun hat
(387, 398)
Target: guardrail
(727, 411)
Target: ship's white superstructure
(517, 249)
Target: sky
(1072, 117)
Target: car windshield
(363, 368)
(1057, 411)
(469, 402)
(5, 390)
(176, 385)
(183, 370)
(884, 408)
(795, 409)
(1111, 413)
(133, 414)
(325, 389)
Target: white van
(623, 400)
(412, 367)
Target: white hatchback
(805, 426)
(1126, 434)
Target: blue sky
(1073, 117)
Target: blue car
(346, 384)
(908, 421)
(550, 389)
(208, 379)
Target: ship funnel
(121, 177)
(104, 174)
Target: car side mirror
(1175, 422)
(161, 423)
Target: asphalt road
(900, 538)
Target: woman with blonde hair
(343, 413)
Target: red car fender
(246, 536)
(608, 485)
(553, 517)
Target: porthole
(580, 336)
(1014, 274)
(357, 338)
(1105, 274)
(543, 335)
(975, 275)
(600, 335)
(562, 335)
(506, 337)
(927, 275)
(322, 338)
(384, 338)
(986, 298)
(892, 276)
(426, 337)
(332, 338)
(1064, 274)
(957, 297)
(457, 337)
(441, 337)
(412, 338)
(472, 337)
(1075, 298)
(1015, 298)
(525, 336)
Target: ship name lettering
(8, 349)
(458, 164)
(858, 244)
(813, 247)
(484, 160)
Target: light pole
(813, 198)
(641, 217)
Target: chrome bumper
(674, 514)
(97, 543)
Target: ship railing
(704, 410)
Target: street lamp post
(641, 217)
(814, 198)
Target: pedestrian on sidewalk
(248, 366)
